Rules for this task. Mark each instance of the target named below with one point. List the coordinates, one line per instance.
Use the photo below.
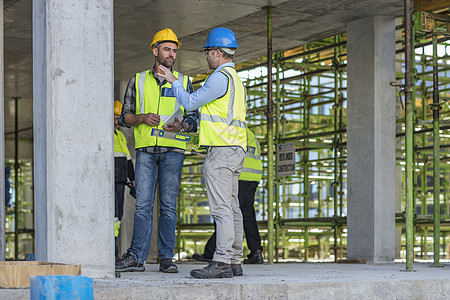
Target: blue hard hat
(222, 38)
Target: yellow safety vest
(252, 170)
(116, 227)
(160, 100)
(222, 121)
(120, 145)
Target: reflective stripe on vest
(222, 121)
(120, 145)
(160, 100)
(252, 170)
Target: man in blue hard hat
(222, 132)
(249, 179)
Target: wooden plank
(431, 5)
(16, 274)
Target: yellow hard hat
(165, 35)
(117, 107)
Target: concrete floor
(278, 281)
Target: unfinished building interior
(361, 88)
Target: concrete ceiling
(295, 22)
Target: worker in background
(222, 133)
(8, 186)
(249, 179)
(149, 101)
(123, 170)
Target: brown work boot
(215, 269)
(237, 270)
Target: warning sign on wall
(285, 159)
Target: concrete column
(371, 139)
(73, 133)
(2, 140)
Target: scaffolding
(309, 107)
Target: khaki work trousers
(221, 171)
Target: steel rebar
(270, 167)
(408, 144)
(436, 162)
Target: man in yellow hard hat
(150, 101)
(123, 170)
(222, 131)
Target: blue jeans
(164, 168)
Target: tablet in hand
(177, 114)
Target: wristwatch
(182, 129)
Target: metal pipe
(306, 117)
(446, 127)
(263, 200)
(435, 107)
(277, 139)
(414, 118)
(409, 144)
(441, 40)
(270, 152)
(423, 149)
(286, 199)
(336, 141)
(423, 183)
(16, 178)
(444, 238)
(446, 193)
(341, 164)
(341, 154)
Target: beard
(208, 60)
(167, 62)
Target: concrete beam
(73, 129)
(371, 139)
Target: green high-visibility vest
(252, 170)
(160, 100)
(222, 121)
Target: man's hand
(150, 119)
(175, 126)
(167, 74)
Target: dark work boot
(254, 257)
(129, 264)
(167, 266)
(201, 257)
(237, 269)
(215, 269)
